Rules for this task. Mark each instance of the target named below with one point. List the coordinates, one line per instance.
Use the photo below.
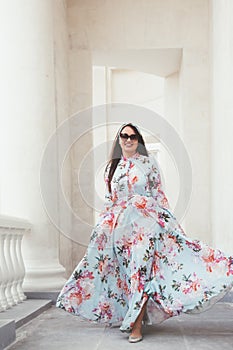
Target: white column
(221, 29)
(195, 126)
(28, 112)
(80, 86)
(173, 116)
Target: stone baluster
(7, 252)
(3, 272)
(15, 264)
(21, 266)
(12, 269)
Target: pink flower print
(140, 203)
(109, 221)
(119, 283)
(155, 268)
(104, 310)
(191, 285)
(139, 236)
(210, 259)
(105, 307)
(230, 266)
(131, 165)
(137, 282)
(70, 309)
(134, 179)
(158, 297)
(169, 246)
(103, 263)
(195, 285)
(131, 181)
(101, 240)
(194, 245)
(161, 219)
(163, 201)
(161, 223)
(88, 274)
(230, 270)
(123, 204)
(84, 286)
(88, 288)
(126, 244)
(134, 281)
(151, 204)
(114, 196)
(126, 288)
(76, 298)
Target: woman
(139, 264)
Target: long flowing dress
(138, 252)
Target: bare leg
(137, 328)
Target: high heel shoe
(133, 339)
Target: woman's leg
(137, 328)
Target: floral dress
(139, 253)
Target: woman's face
(129, 146)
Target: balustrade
(12, 269)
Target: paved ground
(55, 329)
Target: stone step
(43, 295)
(17, 316)
(7, 333)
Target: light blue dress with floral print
(139, 253)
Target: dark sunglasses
(132, 137)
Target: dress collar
(134, 156)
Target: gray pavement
(56, 329)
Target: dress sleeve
(155, 184)
(108, 196)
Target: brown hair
(116, 151)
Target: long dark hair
(116, 151)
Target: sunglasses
(132, 137)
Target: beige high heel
(135, 339)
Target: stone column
(80, 88)
(221, 43)
(28, 91)
(171, 113)
(195, 131)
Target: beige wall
(130, 24)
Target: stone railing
(12, 270)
